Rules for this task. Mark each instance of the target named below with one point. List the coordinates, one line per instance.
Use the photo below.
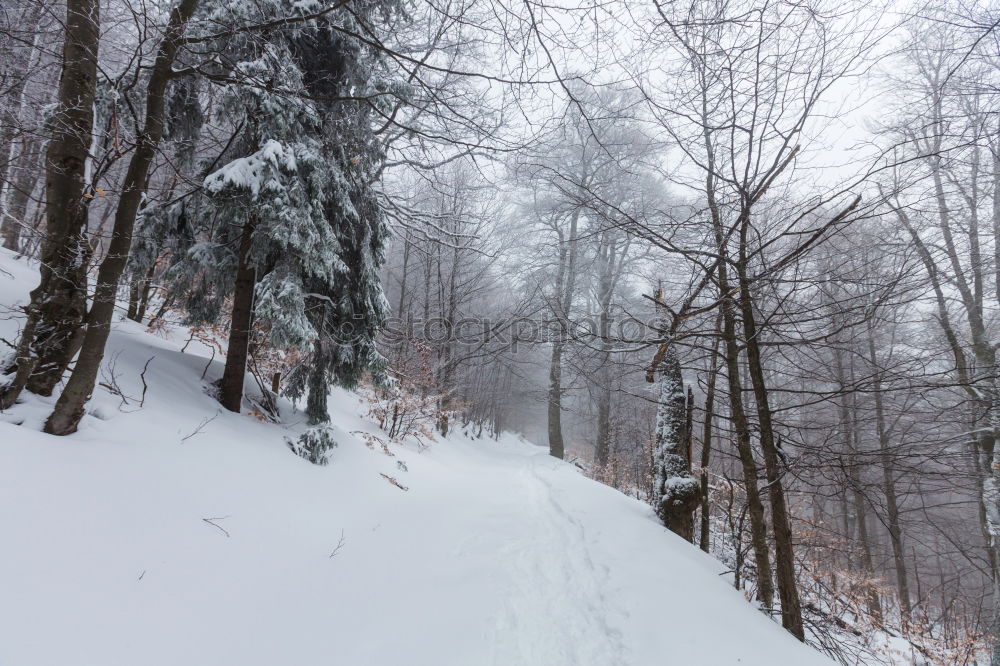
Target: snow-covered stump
(676, 492)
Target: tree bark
(563, 304)
(861, 514)
(16, 66)
(144, 293)
(706, 446)
(69, 408)
(20, 191)
(784, 556)
(605, 292)
(58, 305)
(675, 492)
(556, 444)
(737, 414)
(231, 384)
(889, 486)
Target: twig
(110, 375)
(216, 526)
(340, 544)
(201, 426)
(142, 376)
(208, 365)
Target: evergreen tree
(290, 225)
(350, 80)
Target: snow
(180, 534)
(254, 172)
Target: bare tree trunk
(864, 537)
(556, 445)
(58, 304)
(605, 292)
(400, 309)
(991, 502)
(603, 437)
(69, 408)
(15, 69)
(402, 314)
(737, 413)
(849, 433)
(731, 356)
(13, 213)
(706, 445)
(144, 294)
(139, 290)
(889, 486)
(450, 311)
(982, 346)
(133, 298)
(784, 556)
(563, 304)
(231, 384)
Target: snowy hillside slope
(180, 534)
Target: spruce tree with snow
(353, 92)
(676, 492)
(289, 226)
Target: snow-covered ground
(178, 534)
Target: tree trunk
(133, 299)
(737, 414)
(20, 191)
(675, 491)
(889, 486)
(706, 445)
(58, 305)
(14, 73)
(138, 295)
(604, 296)
(231, 384)
(784, 557)
(400, 309)
(758, 526)
(449, 308)
(849, 432)
(991, 504)
(563, 303)
(144, 294)
(69, 408)
(556, 446)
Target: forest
(737, 259)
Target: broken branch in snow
(208, 365)
(215, 525)
(393, 481)
(145, 386)
(201, 426)
(340, 544)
